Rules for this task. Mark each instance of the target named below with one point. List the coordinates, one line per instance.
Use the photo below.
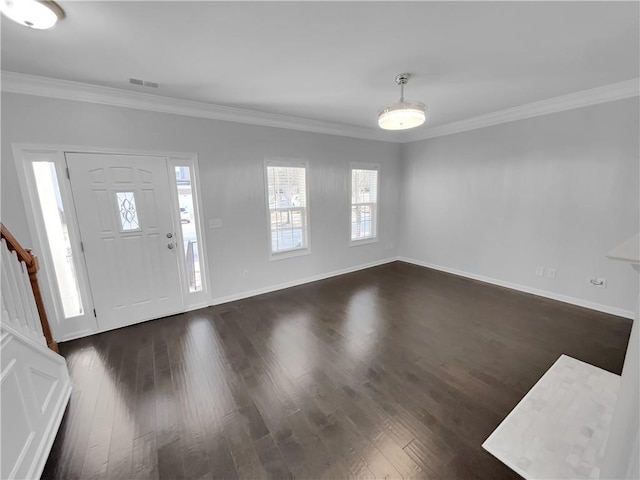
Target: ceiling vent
(143, 83)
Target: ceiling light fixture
(32, 13)
(402, 115)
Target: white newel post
(622, 458)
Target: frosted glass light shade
(32, 13)
(402, 116)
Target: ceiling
(336, 61)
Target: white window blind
(364, 204)
(288, 213)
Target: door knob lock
(169, 235)
(171, 246)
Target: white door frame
(24, 154)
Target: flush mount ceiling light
(402, 115)
(32, 13)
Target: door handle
(169, 235)
(171, 246)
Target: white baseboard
(523, 288)
(88, 333)
(301, 281)
(79, 334)
(281, 286)
(241, 295)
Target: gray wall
(556, 191)
(231, 168)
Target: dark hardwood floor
(396, 371)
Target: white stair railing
(18, 304)
(35, 379)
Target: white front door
(125, 218)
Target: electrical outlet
(551, 273)
(598, 282)
(245, 273)
(215, 223)
(540, 271)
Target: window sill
(298, 252)
(363, 241)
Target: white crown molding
(69, 90)
(583, 98)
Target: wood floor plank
(392, 372)
(242, 449)
(92, 375)
(121, 448)
(271, 458)
(195, 456)
(145, 457)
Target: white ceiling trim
(69, 90)
(84, 92)
(584, 98)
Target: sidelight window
(188, 222)
(55, 223)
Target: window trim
(375, 237)
(287, 162)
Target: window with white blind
(364, 204)
(286, 185)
